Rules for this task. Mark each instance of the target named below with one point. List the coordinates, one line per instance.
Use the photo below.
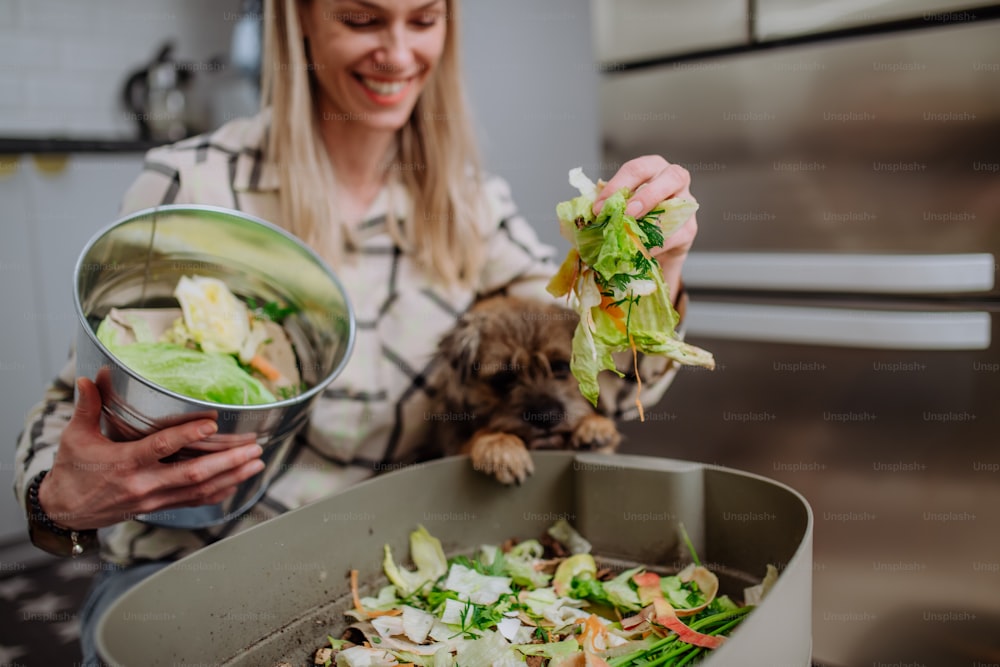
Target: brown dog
(503, 387)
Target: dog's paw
(503, 456)
(596, 433)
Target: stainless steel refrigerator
(846, 156)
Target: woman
(364, 151)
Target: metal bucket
(138, 261)
(274, 592)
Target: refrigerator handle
(831, 272)
(839, 327)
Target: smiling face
(372, 58)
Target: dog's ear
(460, 347)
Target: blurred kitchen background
(847, 158)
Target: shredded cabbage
(207, 376)
(427, 555)
(617, 287)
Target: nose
(396, 52)
(544, 412)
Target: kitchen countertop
(51, 145)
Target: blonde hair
(436, 159)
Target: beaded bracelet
(38, 515)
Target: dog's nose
(544, 413)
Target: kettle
(156, 99)
(168, 101)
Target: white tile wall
(63, 63)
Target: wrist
(678, 296)
(671, 265)
(47, 505)
(49, 532)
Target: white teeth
(383, 87)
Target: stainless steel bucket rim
(175, 208)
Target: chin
(380, 120)
(394, 123)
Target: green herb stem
(690, 652)
(654, 655)
(690, 546)
(722, 616)
(646, 652)
(689, 657)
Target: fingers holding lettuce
(97, 482)
(649, 181)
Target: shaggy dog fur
(503, 387)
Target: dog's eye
(502, 381)
(560, 368)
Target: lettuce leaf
(520, 563)
(620, 294)
(426, 553)
(621, 594)
(207, 376)
(550, 650)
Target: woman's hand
(651, 179)
(97, 482)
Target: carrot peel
(360, 609)
(265, 367)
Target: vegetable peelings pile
(542, 605)
(616, 285)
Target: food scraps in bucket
(214, 347)
(520, 603)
